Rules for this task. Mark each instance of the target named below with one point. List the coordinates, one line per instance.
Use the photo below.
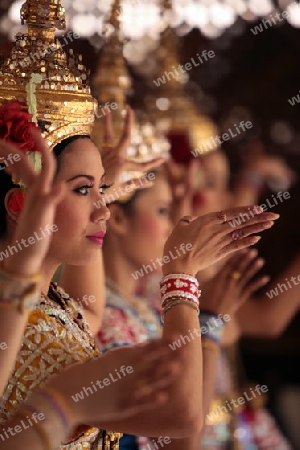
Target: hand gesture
(233, 284)
(42, 197)
(115, 160)
(181, 180)
(205, 240)
(272, 169)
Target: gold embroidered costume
(54, 87)
(56, 337)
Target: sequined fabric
(55, 337)
(128, 322)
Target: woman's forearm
(269, 314)
(182, 415)
(210, 358)
(184, 322)
(12, 326)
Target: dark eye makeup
(83, 190)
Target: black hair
(6, 183)
(59, 148)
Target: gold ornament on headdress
(171, 108)
(42, 77)
(111, 84)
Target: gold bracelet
(178, 301)
(210, 345)
(19, 292)
(57, 424)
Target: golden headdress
(171, 108)
(111, 84)
(52, 85)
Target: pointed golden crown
(171, 108)
(111, 83)
(40, 75)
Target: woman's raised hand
(203, 241)
(114, 156)
(37, 215)
(182, 183)
(233, 284)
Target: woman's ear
(118, 221)
(14, 203)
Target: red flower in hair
(15, 127)
(17, 201)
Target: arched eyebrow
(89, 177)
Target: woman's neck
(119, 271)
(48, 272)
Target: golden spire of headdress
(111, 81)
(111, 84)
(171, 108)
(43, 13)
(38, 68)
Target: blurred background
(254, 76)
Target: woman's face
(149, 224)
(77, 218)
(214, 194)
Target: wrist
(179, 289)
(19, 292)
(212, 325)
(19, 269)
(173, 269)
(61, 386)
(55, 417)
(211, 346)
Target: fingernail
(253, 253)
(256, 239)
(276, 216)
(269, 225)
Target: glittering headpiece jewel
(52, 85)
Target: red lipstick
(97, 238)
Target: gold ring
(144, 390)
(236, 275)
(222, 216)
(108, 145)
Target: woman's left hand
(233, 284)
(115, 160)
(181, 180)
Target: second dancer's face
(149, 225)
